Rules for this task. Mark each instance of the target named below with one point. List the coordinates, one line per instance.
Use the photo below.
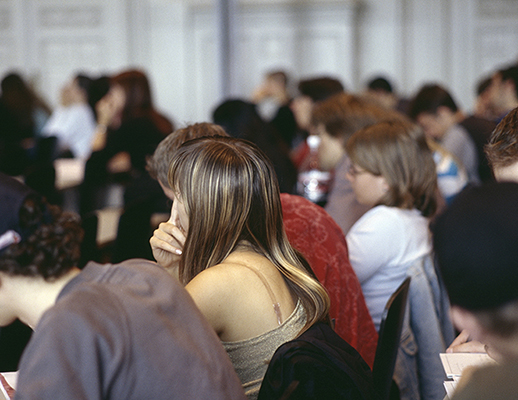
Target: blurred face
(368, 188)
(72, 93)
(110, 107)
(330, 151)
(507, 174)
(301, 106)
(434, 125)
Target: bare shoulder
(212, 291)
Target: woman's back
(235, 260)
(242, 294)
(252, 310)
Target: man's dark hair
(429, 99)
(320, 88)
(51, 244)
(510, 73)
(381, 84)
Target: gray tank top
(250, 357)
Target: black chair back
(318, 365)
(388, 340)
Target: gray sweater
(125, 331)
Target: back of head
(319, 89)
(84, 82)
(16, 94)
(36, 239)
(239, 118)
(343, 114)
(230, 193)
(502, 147)
(429, 99)
(158, 164)
(381, 84)
(138, 93)
(398, 151)
(475, 242)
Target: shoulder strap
(276, 305)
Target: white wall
(453, 42)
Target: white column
(226, 17)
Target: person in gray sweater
(125, 331)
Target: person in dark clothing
(129, 129)
(241, 120)
(123, 331)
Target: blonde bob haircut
(231, 195)
(398, 151)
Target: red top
(313, 232)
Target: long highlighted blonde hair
(231, 195)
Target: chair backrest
(388, 340)
(318, 365)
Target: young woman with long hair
(256, 291)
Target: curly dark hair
(51, 241)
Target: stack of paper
(455, 363)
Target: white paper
(12, 379)
(454, 363)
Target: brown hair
(502, 148)
(139, 100)
(343, 114)
(158, 164)
(398, 151)
(53, 242)
(231, 195)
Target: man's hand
(463, 344)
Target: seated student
(311, 92)
(475, 242)
(129, 129)
(503, 91)
(311, 231)
(435, 110)
(393, 172)
(226, 223)
(240, 119)
(335, 120)
(126, 331)
(73, 121)
(273, 104)
(502, 154)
